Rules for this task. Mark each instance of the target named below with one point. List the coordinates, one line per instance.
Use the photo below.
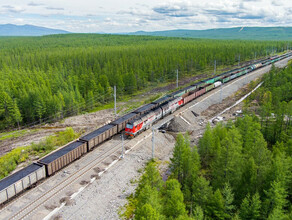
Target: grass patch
(9, 161)
(13, 134)
(127, 211)
(102, 107)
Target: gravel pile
(177, 124)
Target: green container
(217, 78)
(210, 81)
(226, 79)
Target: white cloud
(132, 15)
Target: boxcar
(122, 121)
(19, 181)
(98, 136)
(64, 156)
(190, 97)
(145, 108)
(200, 91)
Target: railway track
(32, 207)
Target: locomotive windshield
(129, 126)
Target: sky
(113, 16)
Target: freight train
(132, 123)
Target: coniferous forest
(50, 77)
(240, 170)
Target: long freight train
(132, 123)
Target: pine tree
(150, 196)
(9, 112)
(16, 115)
(250, 208)
(198, 213)
(215, 208)
(147, 212)
(226, 166)
(176, 166)
(276, 198)
(130, 82)
(202, 192)
(206, 146)
(228, 197)
(173, 200)
(151, 177)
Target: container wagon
(21, 180)
(210, 80)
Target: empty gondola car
(64, 156)
(21, 180)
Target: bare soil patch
(215, 109)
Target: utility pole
(221, 92)
(153, 142)
(215, 68)
(255, 56)
(176, 78)
(122, 156)
(115, 96)
(238, 59)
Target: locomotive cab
(129, 131)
